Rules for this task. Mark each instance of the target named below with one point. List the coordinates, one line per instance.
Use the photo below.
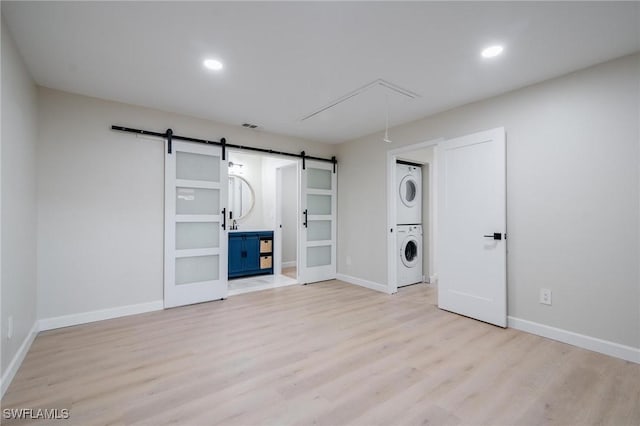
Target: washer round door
(408, 191)
(409, 252)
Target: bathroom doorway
(267, 207)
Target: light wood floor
(328, 354)
(290, 272)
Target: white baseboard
(103, 314)
(363, 283)
(291, 264)
(16, 362)
(606, 347)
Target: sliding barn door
(318, 222)
(472, 247)
(195, 263)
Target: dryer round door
(409, 252)
(409, 191)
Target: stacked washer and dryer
(409, 222)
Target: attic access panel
(363, 108)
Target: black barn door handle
(495, 236)
(224, 218)
(305, 218)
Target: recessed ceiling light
(213, 64)
(492, 51)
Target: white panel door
(472, 226)
(195, 262)
(318, 223)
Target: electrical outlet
(545, 296)
(10, 327)
(348, 260)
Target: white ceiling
(285, 60)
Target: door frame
(277, 270)
(392, 257)
(277, 226)
(274, 223)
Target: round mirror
(241, 197)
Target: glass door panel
(319, 178)
(197, 201)
(197, 235)
(319, 204)
(318, 256)
(197, 269)
(319, 230)
(190, 166)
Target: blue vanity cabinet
(248, 253)
(238, 255)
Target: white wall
(289, 213)
(100, 216)
(572, 197)
(18, 203)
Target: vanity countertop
(249, 230)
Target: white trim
(277, 224)
(16, 362)
(102, 314)
(364, 283)
(606, 347)
(190, 183)
(276, 244)
(215, 218)
(313, 191)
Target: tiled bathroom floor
(263, 282)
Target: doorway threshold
(259, 283)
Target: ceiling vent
(376, 84)
(250, 126)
